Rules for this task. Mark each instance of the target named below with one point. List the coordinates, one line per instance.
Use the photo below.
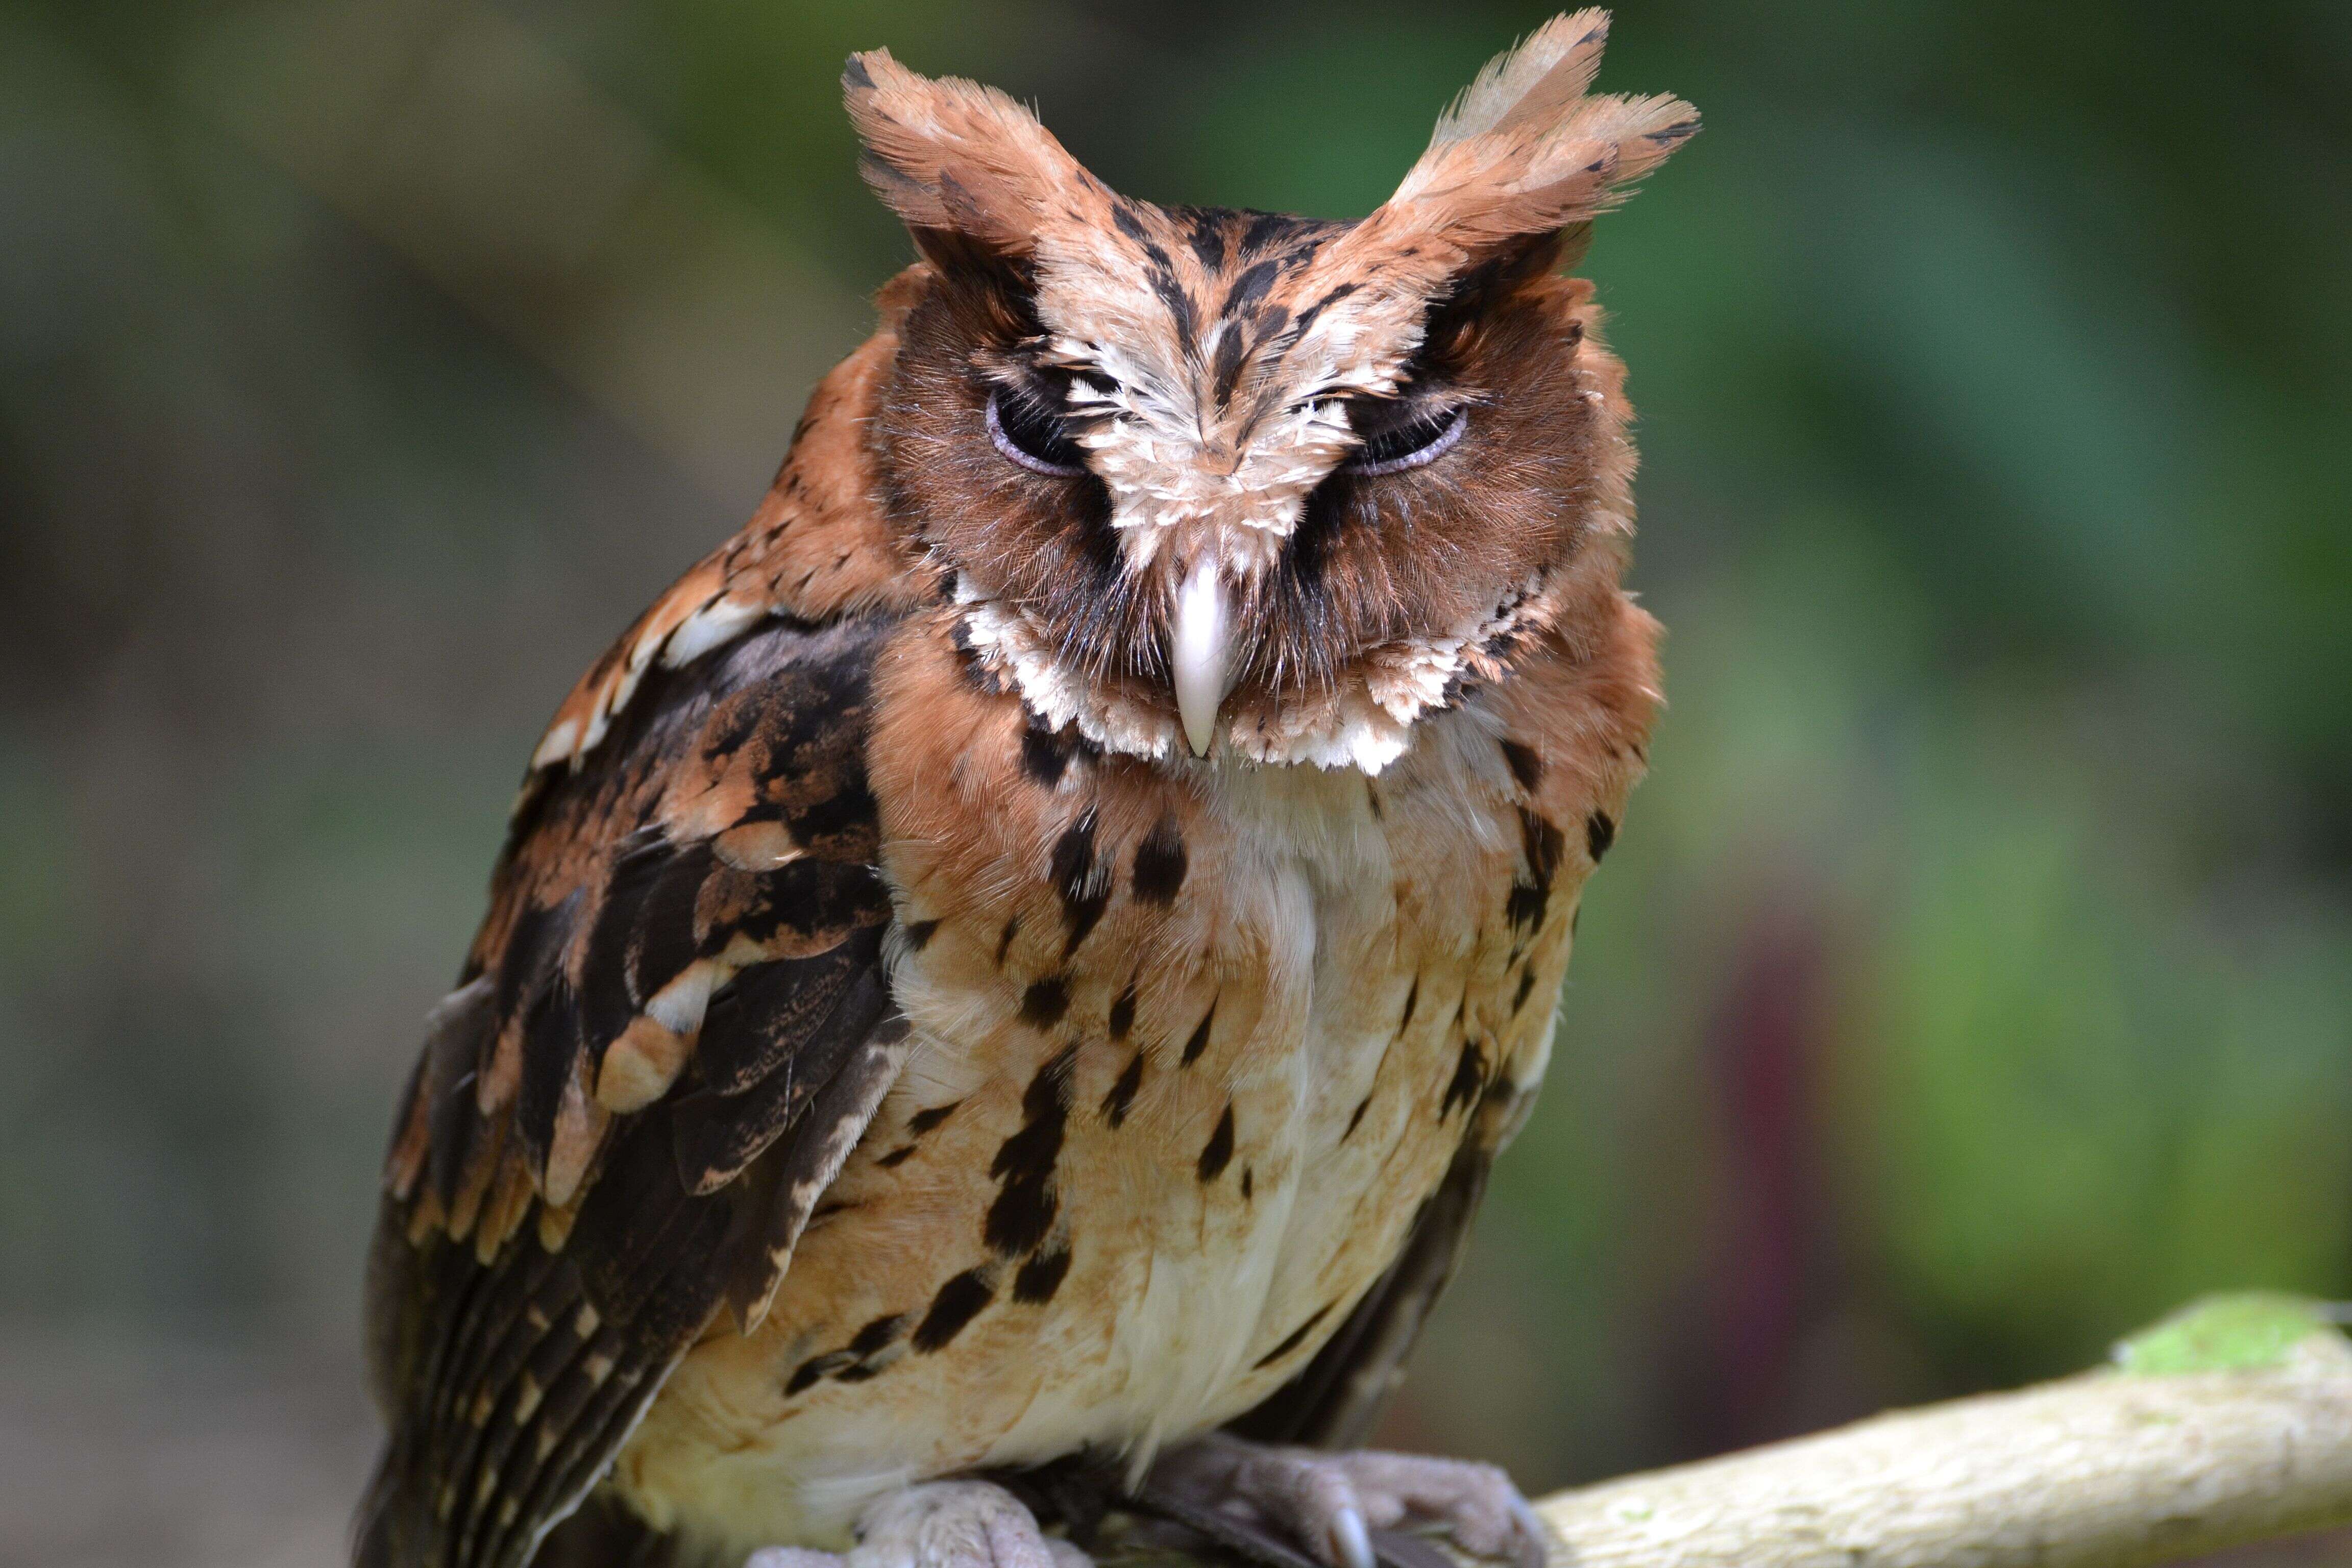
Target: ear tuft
(1524, 152)
(952, 156)
(1538, 81)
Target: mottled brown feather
(542, 1261)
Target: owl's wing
(1337, 1398)
(673, 1027)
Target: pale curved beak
(1202, 651)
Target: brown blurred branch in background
(2153, 1462)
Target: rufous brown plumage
(1024, 956)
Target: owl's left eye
(1406, 439)
(1025, 428)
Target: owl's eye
(1026, 429)
(1423, 435)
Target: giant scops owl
(1019, 964)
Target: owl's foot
(940, 1524)
(1337, 1504)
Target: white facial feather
(1365, 722)
(1191, 469)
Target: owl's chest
(1190, 1056)
(1192, 1139)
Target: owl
(1006, 984)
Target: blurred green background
(1974, 979)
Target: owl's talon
(939, 1524)
(1333, 1501)
(1352, 1543)
(1531, 1546)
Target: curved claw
(1352, 1542)
(1535, 1543)
(1345, 1508)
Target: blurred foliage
(1974, 977)
(2246, 1330)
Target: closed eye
(1420, 438)
(1029, 431)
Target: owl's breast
(1191, 1052)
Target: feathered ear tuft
(955, 158)
(1537, 82)
(1523, 152)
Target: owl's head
(1247, 485)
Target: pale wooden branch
(2104, 1470)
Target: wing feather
(662, 1051)
(1337, 1398)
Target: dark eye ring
(1409, 445)
(1026, 430)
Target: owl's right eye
(1023, 427)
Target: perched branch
(2229, 1424)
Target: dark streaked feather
(774, 1009)
(807, 1164)
(1335, 1400)
(661, 934)
(603, 1533)
(719, 1129)
(511, 1368)
(456, 1035)
(552, 1044)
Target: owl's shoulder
(819, 547)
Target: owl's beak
(1201, 652)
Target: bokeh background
(1973, 981)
